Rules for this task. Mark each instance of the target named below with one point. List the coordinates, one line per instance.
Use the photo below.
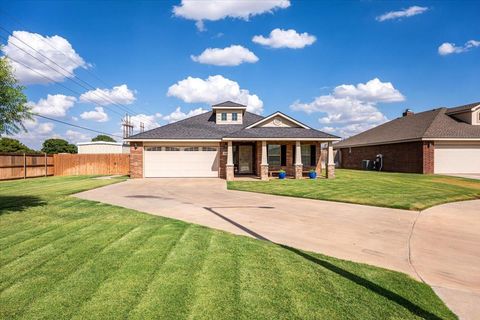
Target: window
(209, 149)
(274, 154)
(190, 149)
(234, 116)
(172, 149)
(153, 148)
(306, 152)
(224, 116)
(309, 153)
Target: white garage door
(457, 158)
(192, 161)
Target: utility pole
(142, 127)
(127, 126)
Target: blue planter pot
(282, 175)
(312, 175)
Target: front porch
(264, 159)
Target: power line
(67, 76)
(76, 126)
(60, 84)
(61, 52)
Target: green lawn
(383, 189)
(63, 257)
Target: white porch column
(264, 163)
(229, 154)
(229, 166)
(298, 160)
(330, 161)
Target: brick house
(228, 142)
(442, 140)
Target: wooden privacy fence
(22, 166)
(83, 164)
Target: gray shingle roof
(428, 124)
(202, 126)
(274, 132)
(466, 107)
(229, 104)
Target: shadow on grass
(367, 284)
(18, 203)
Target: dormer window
(229, 112)
(224, 116)
(234, 116)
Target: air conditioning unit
(365, 164)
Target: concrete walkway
(439, 245)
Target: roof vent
(408, 112)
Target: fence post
(24, 166)
(46, 168)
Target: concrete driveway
(439, 245)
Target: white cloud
(229, 56)
(279, 38)
(36, 133)
(350, 109)
(214, 10)
(404, 13)
(178, 114)
(119, 94)
(75, 136)
(149, 121)
(55, 48)
(98, 115)
(373, 90)
(54, 105)
(447, 48)
(214, 89)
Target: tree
(13, 102)
(13, 145)
(58, 146)
(103, 137)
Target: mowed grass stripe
(132, 279)
(170, 294)
(218, 292)
(31, 220)
(70, 293)
(18, 250)
(28, 263)
(262, 293)
(43, 278)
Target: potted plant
(282, 174)
(312, 174)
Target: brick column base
(298, 171)
(264, 172)
(331, 171)
(230, 173)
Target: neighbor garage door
(457, 158)
(190, 161)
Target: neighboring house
(229, 141)
(96, 147)
(443, 140)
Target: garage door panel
(181, 163)
(457, 158)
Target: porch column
(298, 160)
(264, 163)
(230, 166)
(318, 164)
(330, 162)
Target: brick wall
(222, 173)
(136, 160)
(414, 157)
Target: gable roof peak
(229, 104)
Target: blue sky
(333, 65)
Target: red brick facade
(136, 160)
(413, 157)
(222, 163)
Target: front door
(245, 159)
